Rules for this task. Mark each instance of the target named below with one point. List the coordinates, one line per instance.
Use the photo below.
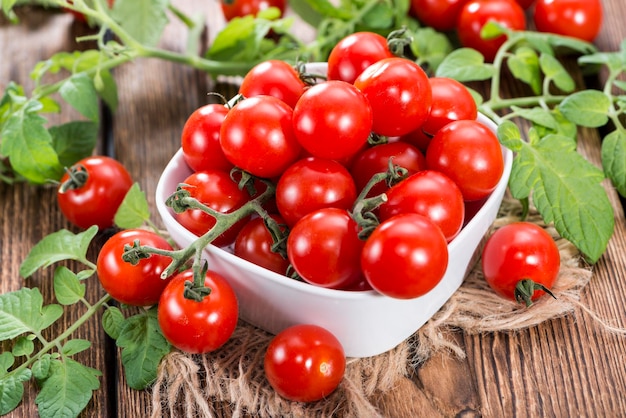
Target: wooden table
(564, 367)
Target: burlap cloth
(192, 386)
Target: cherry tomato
(313, 183)
(332, 119)
(451, 101)
(94, 191)
(580, 19)
(405, 257)
(519, 252)
(254, 243)
(304, 363)
(200, 139)
(429, 193)
(470, 154)
(198, 327)
(240, 8)
(218, 191)
(399, 93)
(140, 284)
(257, 136)
(476, 13)
(354, 53)
(324, 248)
(273, 78)
(375, 160)
(438, 14)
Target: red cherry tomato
(333, 120)
(451, 101)
(200, 139)
(405, 257)
(438, 14)
(273, 78)
(476, 13)
(254, 243)
(218, 191)
(240, 8)
(304, 363)
(324, 248)
(519, 252)
(257, 136)
(313, 183)
(95, 191)
(429, 193)
(399, 93)
(140, 284)
(198, 327)
(580, 19)
(470, 154)
(354, 53)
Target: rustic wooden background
(564, 367)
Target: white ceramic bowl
(365, 322)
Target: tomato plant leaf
(113, 321)
(588, 108)
(524, 65)
(23, 346)
(613, 161)
(430, 47)
(58, 246)
(143, 347)
(555, 71)
(538, 116)
(22, 311)
(73, 141)
(41, 367)
(74, 346)
(11, 383)
(567, 191)
(380, 16)
(67, 389)
(134, 209)
(144, 20)
(67, 288)
(465, 64)
(80, 93)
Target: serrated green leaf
(23, 346)
(67, 389)
(567, 191)
(509, 135)
(41, 367)
(524, 66)
(22, 311)
(554, 70)
(586, 108)
(381, 16)
(80, 93)
(74, 346)
(73, 141)
(58, 246)
(430, 47)
(614, 160)
(112, 322)
(134, 210)
(143, 347)
(144, 20)
(538, 116)
(465, 64)
(67, 287)
(613, 60)
(11, 384)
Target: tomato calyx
(78, 176)
(525, 289)
(398, 42)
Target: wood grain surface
(566, 367)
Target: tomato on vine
(304, 363)
(521, 262)
(580, 19)
(139, 284)
(273, 78)
(354, 53)
(198, 327)
(92, 190)
(441, 15)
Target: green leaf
(58, 246)
(510, 136)
(11, 384)
(67, 288)
(41, 367)
(112, 322)
(22, 311)
(307, 12)
(77, 345)
(106, 87)
(322, 9)
(614, 159)
(567, 191)
(555, 71)
(143, 347)
(73, 141)
(23, 346)
(381, 16)
(430, 46)
(144, 20)
(538, 116)
(465, 64)
(134, 210)
(67, 390)
(524, 66)
(586, 108)
(28, 144)
(80, 93)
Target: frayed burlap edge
(194, 386)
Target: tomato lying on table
(580, 19)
